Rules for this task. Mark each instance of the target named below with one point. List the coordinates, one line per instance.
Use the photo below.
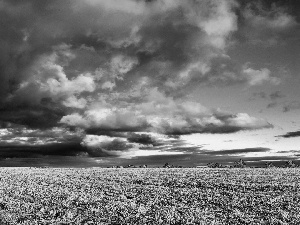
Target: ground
(149, 196)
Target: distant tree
(239, 164)
(214, 165)
(269, 165)
(130, 166)
(167, 165)
(290, 164)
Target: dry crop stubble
(149, 196)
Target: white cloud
(121, 65)
(107, 119)
(246, 121)
(74, 102)
(258, 77)
(65, 87)
(74, 119)
(221, 23)
(194, 70)
(106, 146)
(162, 114)
(49, 79)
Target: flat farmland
(149, 196)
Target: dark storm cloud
(5, 124)
(290, 134)
(68, 147)
(295, 152)
(29, 151)
(50, 161)
(36, 116)
(142, 139)
(129, 144)
(117, 145)
(21, 40)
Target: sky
(117, 82)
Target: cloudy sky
(116, 82)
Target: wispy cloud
(290, 134)
(236, 151)
(294, 105)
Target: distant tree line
(237, 164)
(241, 164)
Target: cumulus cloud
(48, 79)
(257, 77)
(99, 146)
(243, 120)
(160, 113)
(74, 102)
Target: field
(149, 196)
